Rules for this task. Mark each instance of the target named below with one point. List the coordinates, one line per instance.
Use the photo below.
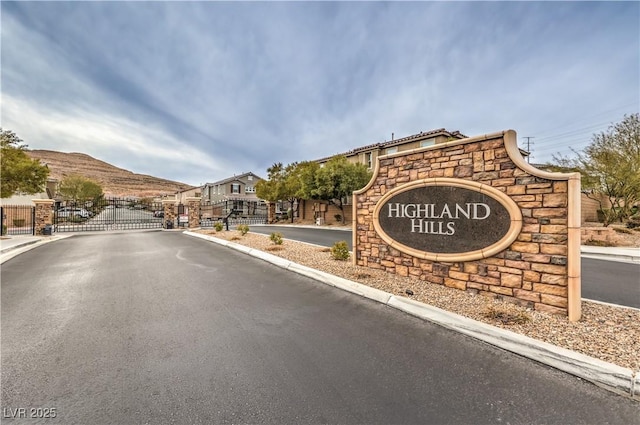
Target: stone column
(168, 205)
(271, 212)
(44, 215)
(193, 204)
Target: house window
(368, 159)
(249, 189)
(250, 178)
(428, 142)
(235, 188)
(392, 150)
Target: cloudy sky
(199, 91)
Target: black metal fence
(107, 214)
(18, 219)
(235, 211)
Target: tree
(77, 187)
(284, 183)
(19, 172)
(610, 168)
(337, 180)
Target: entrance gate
(236, 211)
(107, 214)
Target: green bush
(340, 251)
(276, 238)
(218, 226)
(243, 229)
(4, 229)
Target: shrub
(4, 229)
(340, 251)
(218, 226)
(19, 222)
(506, 317)
(338, 217)
(276, 238)
(243, 229)
(633, 221)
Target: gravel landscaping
(607, 333)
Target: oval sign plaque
(447, 219)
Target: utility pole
(529, 147)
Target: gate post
(193, 205)
(271, 212)
(43, 215)
(168, 206)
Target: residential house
(193, 192)
(368, 155)
(237, 193)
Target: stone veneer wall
(540, 269)
(193, 204)
(169, 207)
(44, 214)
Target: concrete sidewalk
(11, 246)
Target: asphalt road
(158, 327)
(608, 281)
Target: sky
(200, 91)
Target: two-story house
(239, 192)
(368, 155)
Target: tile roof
(387, 143)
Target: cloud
(243, 85)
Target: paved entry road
(160, 328)
(609, 281)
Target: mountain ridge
(115, 181)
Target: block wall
(540, 269)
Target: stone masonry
(193, 205)
(44, 214)
(169, 207)
(540, 269)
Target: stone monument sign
(474, 215)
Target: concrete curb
(11, 252)
(620, 257)
(306, 226)
(606, 375)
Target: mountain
(115, 181)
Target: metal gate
(235, 211)
(18, 219)
(107, 214)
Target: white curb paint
(607, 375)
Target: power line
(589, 118)
(528, 146)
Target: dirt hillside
(115, 181)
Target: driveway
(158, 327)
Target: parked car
(68, 212)
(158, 213)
